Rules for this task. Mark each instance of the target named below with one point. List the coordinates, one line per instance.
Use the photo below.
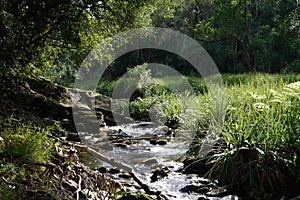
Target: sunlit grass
(25, 142)
(258, 147)
(22, 147)
(261, 131)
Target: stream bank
(39, 101)
(158, 163)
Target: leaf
(256, 96)
(261, 106)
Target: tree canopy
(27, 26)
(240, 35)
(243, 35)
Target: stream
(145, 147)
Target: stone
(102, 170)
(74, 137)
(162, 142)
(230, 197)
(202, 198)
(153, 142)
(189, 189)
(159, 173)
(195, 166)
(122, 145)
(151, 161)
(159, 142)
(218, 192)
(135, 197)
(195, 188)
(125, 176)
(203, 190)
(114, 171)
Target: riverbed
(134, 145)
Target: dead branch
(122, 166)
(79, 187)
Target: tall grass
(261, 147)
(25, 142)
(258, 150)
(22, 147)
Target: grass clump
(23, 147)
(25, 142)
(164, 108)
(34, 166)
(260, 151)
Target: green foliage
(241, 35)
(252, 172)
(139, 108)
(55, 36)
(260, 150)
(105, 87)
(139, 77)
(52, 38)
(22, 147)
(25, 142)
(14, 174)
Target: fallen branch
(79, 187)
(122, 166)
(131, 172)
(11, 183)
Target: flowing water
(144, 157)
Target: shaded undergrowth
(35, 165)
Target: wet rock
(159, 142)
(114, 171)
(124, 176)
(151, 161)
(74, 137)
(189, 188)
(159, 173)
(218, 192)
(202, 198)
(136, 197)
(162, 142)
(122, 145)
(194, 188)
(119, 134)
(102, 170)
(230, 197)
(203, 190)
(205, 182)
(195, 166)
(153, 142)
